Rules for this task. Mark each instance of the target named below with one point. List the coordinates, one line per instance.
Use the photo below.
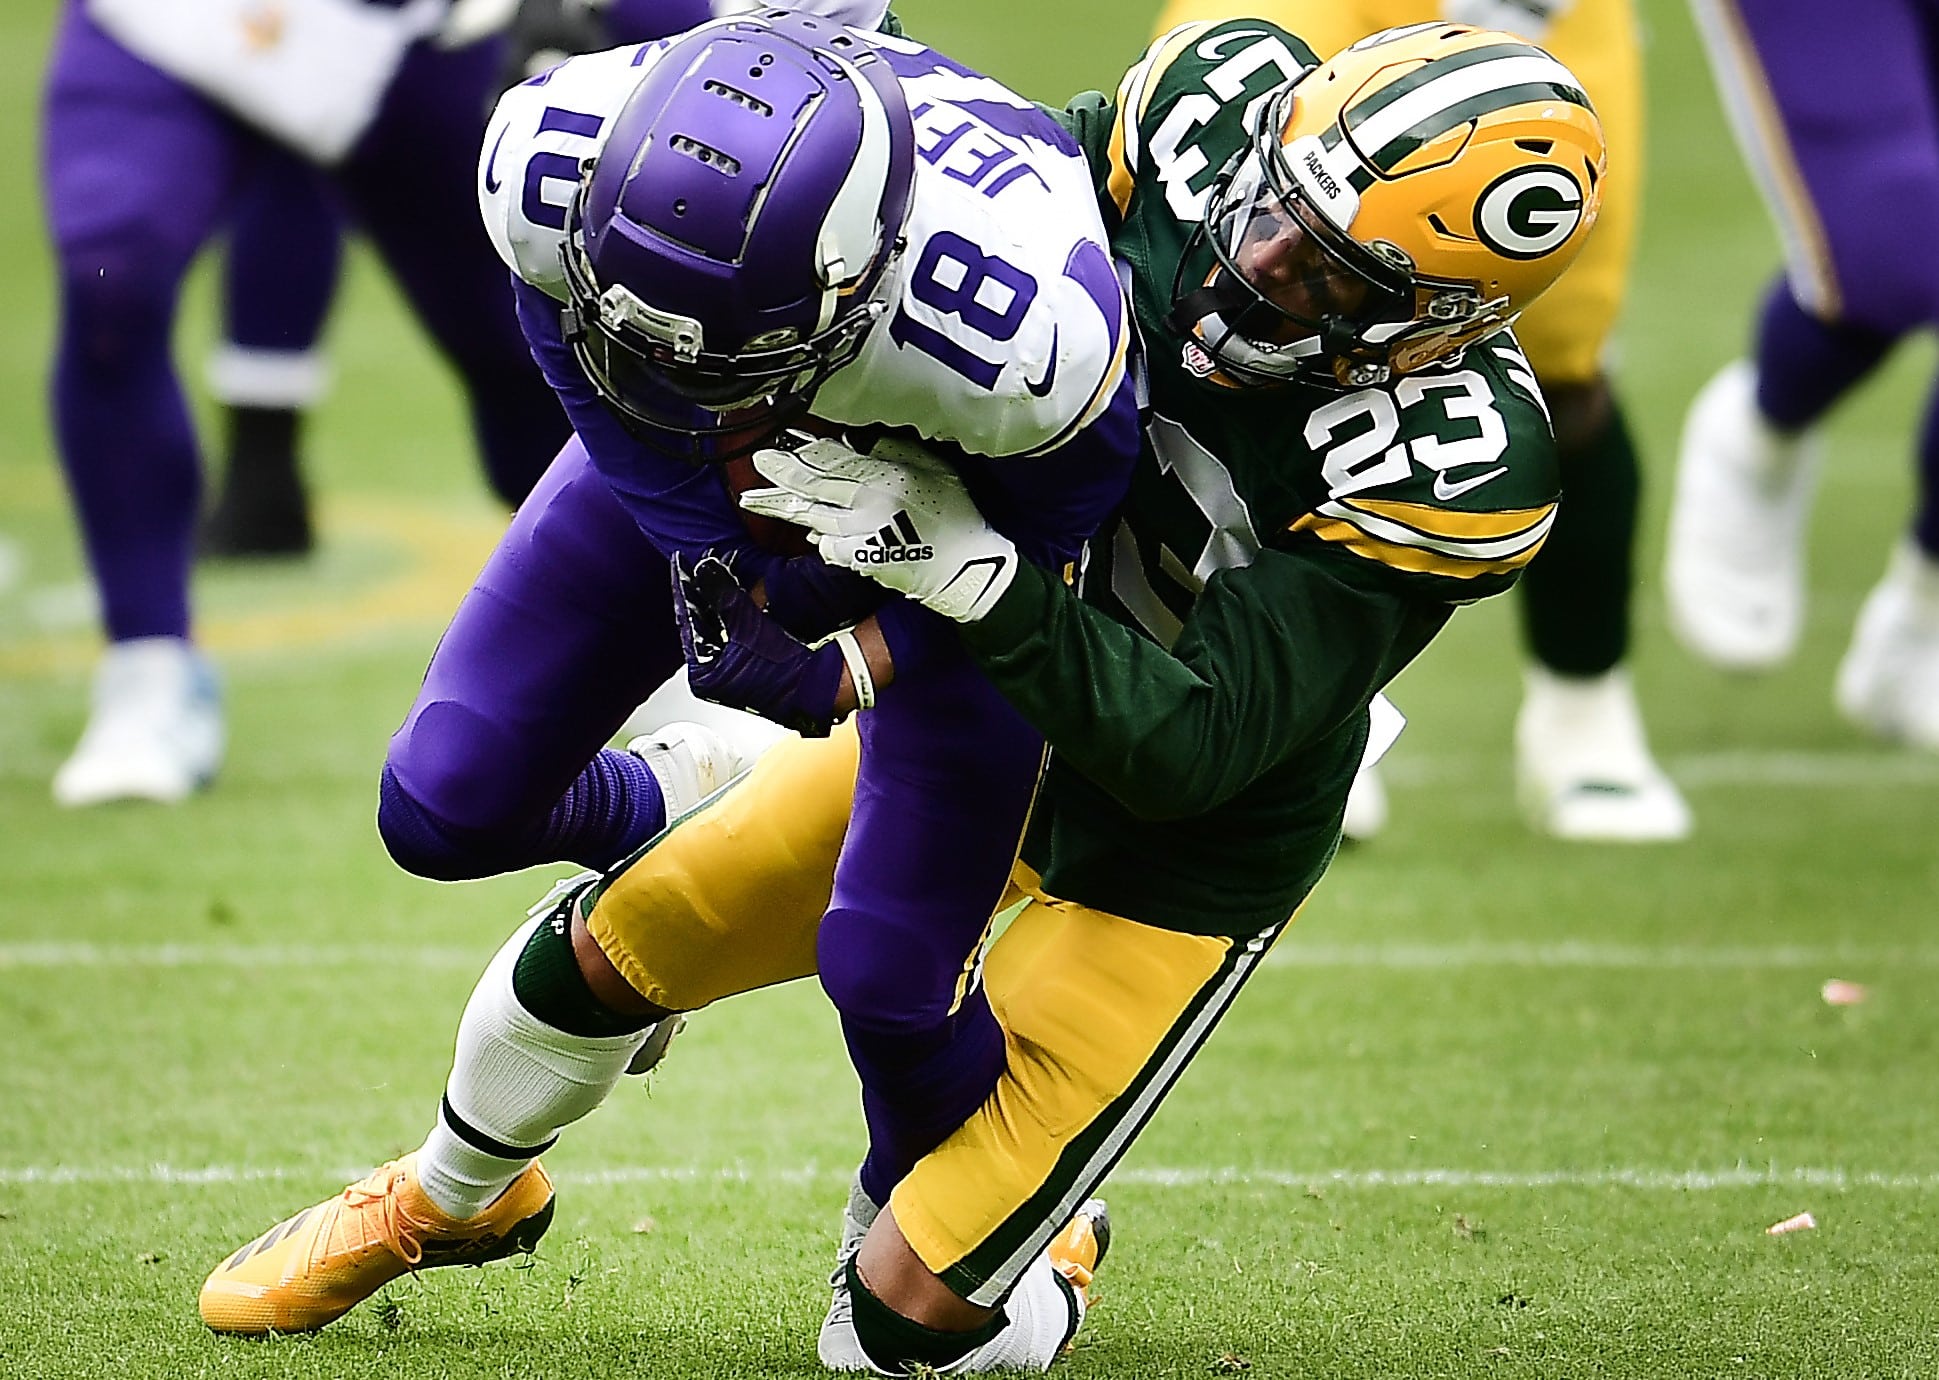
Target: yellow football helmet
(1399, 202)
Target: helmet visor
(1299, 283)
(668, 388)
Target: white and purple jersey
(309, 73)
(1008, 333)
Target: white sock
(516, 1082)
(246, 376)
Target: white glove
(1529, 19)
(898, 515)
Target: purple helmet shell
(732, 244)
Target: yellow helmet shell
(1469, 158)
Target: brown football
(739, 474)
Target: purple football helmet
(733, 244)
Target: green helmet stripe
(1389, 155)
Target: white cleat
(650, 1055)
(1583, 769)
(675, 702)
(1734, 558)
(1888, 683)
(155, 730)
(1044, 1310)
(691, 761)
(836, 1346)
(1366, 812)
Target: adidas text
(894, 555)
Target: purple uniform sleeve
(1051, 504)
(680, 506)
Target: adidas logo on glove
(895, 543)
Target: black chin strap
(1223, 296)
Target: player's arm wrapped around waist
(1273, 657)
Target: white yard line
(1400, 955)
(1805, 769)
(1648, 1180)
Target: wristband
(858, 668)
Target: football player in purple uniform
(281, 268)
(151, 124)
(1840, 123)
(785, 222)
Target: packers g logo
(1529, 212)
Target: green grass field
(1501, 1107)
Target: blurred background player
(1583, 767)
(1840, 124)
(143, 157)
(280, 271)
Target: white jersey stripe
(1402, 535)
(1521, 372)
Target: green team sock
(547, 982)
(894, 1342)
(1575, 594)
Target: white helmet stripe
(1458, 86)
(847, 243)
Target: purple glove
(738, 656)
(812, 599)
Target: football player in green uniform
(1344, 444)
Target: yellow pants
(1564, 332)
(1100, 1014)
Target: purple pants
(1839, 118)
(140, 172)
(1850, 167)
(569, 626)
(285, 248)
(566, 630)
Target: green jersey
(1281, 555)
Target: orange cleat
(318, 1265)
(1079, 1248)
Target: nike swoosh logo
(492, 184)
(1039, 387)
(1447, 492)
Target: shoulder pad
(1447, 473)
(536, 146)
(856, 14)
(1197, 88)
(1009, 331)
